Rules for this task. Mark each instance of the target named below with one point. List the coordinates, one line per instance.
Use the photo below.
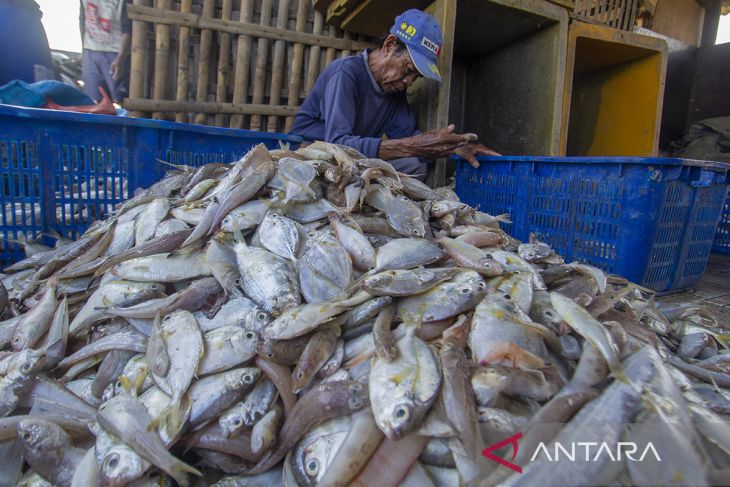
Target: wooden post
(446, 17)
(277, 66)
(314, 53)
(262, 54)
(711, 22)
(224, 60)
(330, 53)
(243, 58)
(139, 52)
(346, 52)
(206, 39)
(183, 61)
(162, 52)
(295, 74)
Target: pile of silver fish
(313, 317)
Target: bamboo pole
(210, 107)
(183, 61)
(314, 53)
(262, 55)
(171, 17)
(243, 59)
(206, 39)
(346, 52)
(224, 60)
(162, 53)
(277, 66)
(139, 52)
(329, 55)
(295, 75)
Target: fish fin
(170, 418)
(180, 470)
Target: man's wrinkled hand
(471, 151)
(438, 143)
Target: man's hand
(470, 151)
(116, 68)
(435, 144)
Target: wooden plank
(375, 17)
(243, 59)
(172, 17)
(262, 55)
(162, 52)
(183, 61)
(224, 61)
(314, 52)
(139, 53)
(446, 18)
(679, 19)
(339, 9)
(206, 39)
(321, 5)
(210, 107)
(295, 74)
(277, 67)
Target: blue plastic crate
(651, 220)
(722, 237)
(62, 170)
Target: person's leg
(91, 75)
(411, 166)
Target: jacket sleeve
(339, 109)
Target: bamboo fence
(230, 63)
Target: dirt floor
(712, 292)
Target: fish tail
(504, 218)
(169, 419)
(180, 470)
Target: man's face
(398, 71)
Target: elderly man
(358, 99)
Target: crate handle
(705, 179)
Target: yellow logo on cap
(408, 29)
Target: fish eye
(482, 285)
(249, 335)
(312, 468)
(465, 290)
(354, 403)
(517, 272)
(167, 318)
(402, 413)
(112, 461)
(238, 281)
(25, 436)
(356, 387)
(489, 256)
(248, 378)
(26, 367)
(549, 314)
(237, 422)
(507, 297)
(261, 315)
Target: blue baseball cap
(422, 36)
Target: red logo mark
(487, 452)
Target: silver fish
(403, 390)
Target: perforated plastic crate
(60, 170)
(722, 237)
(651, 220)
